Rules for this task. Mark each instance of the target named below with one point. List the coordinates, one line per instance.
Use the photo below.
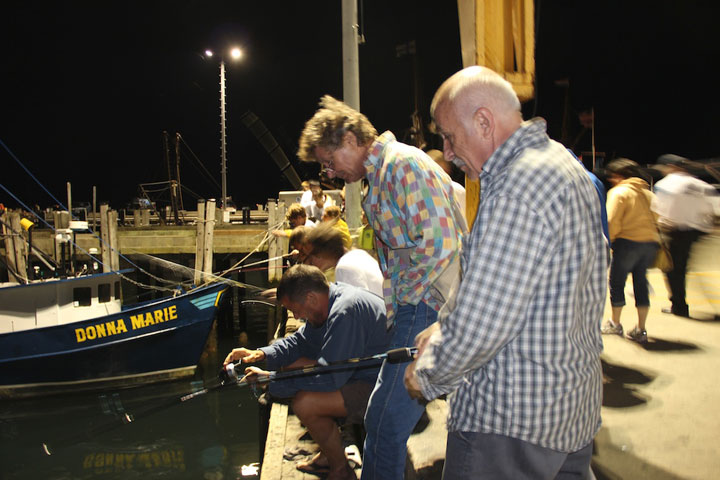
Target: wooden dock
(202, 233)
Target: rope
(7, 149)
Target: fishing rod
(396, 355)
(229, 376)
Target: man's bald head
(476, 86)
(475, 111)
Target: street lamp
(235, 54)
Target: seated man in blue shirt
(342, 322)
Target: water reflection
(209, 437)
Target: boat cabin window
(82, 296)
(117, 290)
(104, 292)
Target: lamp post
(235, 54)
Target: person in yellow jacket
(634, 241)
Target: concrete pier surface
(661, 401)
(661, 406)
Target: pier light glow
(209, 53)
(236, 53)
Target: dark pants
(480, 456)
(635, 258)
(679, 244)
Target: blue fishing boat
(74, 334)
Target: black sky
(89, 87)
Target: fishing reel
(232, 373)
(228, 374)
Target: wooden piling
(209, 237)
(274, 243)
(199, 241)
(104, 238)
(112, 216)
(204, 241)
(109, 245)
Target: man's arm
(289, 349)
(345, 338)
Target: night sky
(89, 87)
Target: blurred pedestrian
(634, 242)
(686, 209)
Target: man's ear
(484, 122)
(311, 299)
(350, 138)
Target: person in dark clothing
(342, 321)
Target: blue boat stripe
(89, 347)
(205, 301)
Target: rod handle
(402, 354)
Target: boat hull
(165, 337)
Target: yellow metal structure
(498, 34)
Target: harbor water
(212, 436)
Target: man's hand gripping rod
(396, 355)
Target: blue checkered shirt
(520, 353)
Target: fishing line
(228, 377)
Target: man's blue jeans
(392, 415)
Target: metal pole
(351, 96)
(351, 68)
(223, 160)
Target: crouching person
(342, 321)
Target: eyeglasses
(327, 164)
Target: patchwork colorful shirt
(409, 205)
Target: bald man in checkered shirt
(517, 348)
